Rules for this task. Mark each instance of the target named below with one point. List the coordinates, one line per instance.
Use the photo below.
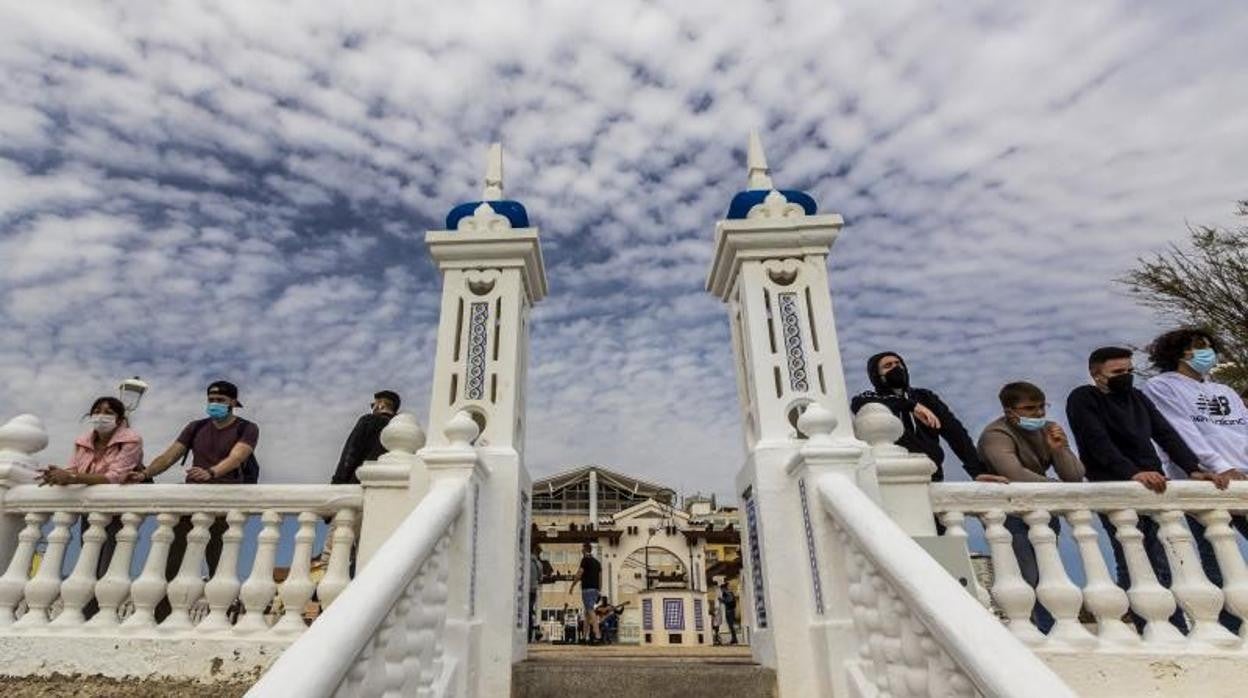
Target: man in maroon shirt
(218, 447)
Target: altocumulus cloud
(238, 189)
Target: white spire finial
(760, 175)
(494, 173)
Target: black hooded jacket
(918, 437)
(364, 444)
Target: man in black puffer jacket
(925, 416)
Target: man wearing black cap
(925, 416)
(364, 443)
(221, 452)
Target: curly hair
(1167, 350)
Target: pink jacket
(123, 453)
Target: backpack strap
(199, 424)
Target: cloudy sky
(192, 190)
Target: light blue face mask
(217, 410)
(1032, 423)
(1203, 360)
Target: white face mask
(103, 423)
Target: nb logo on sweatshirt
(1214, 406)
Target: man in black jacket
(1115, 426)
(364, 443)
(925, 416)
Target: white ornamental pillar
(492, 274)
(20, 439)
(770, 268)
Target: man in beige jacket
(1023, 445)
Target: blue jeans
(1026, 556)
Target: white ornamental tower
(770, 268)
(492, 274)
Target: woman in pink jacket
(104, 455)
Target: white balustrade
(1131, 509)
(921, 634)
(128, 606)
(382, 635)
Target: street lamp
(131, 393)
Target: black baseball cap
(390, 395)
(225, 388)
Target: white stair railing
(384, 633)
(920, 632)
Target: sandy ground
(100, 687)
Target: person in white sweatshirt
(1210, 417)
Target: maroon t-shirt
(212, 444)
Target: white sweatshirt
(1209, 416)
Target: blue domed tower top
(513, 211)
(759, 186)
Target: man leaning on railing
(1115, 426)
(1209, 417)
(221, 450)
(1023, 445)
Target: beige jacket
(1025, 456)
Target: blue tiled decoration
(673, 614)
(810, 548)
(756, 560)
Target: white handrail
(978, 497)
(988, 654)
(319, 660)
(181, 499)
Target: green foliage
(1203, 284)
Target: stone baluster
(1149, 599)
(259, 589)
(297, 590)
(1200, 598)
(188, 584)
(113, 588)
(45, 586)
(1106, 600)
(13, 583)
(1055, 590)
(78, 589)
(1230, 561)
(223, 588)
(1011, 592)
(338, 572)
(147, 591)
(955, 527)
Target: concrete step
(607, 672)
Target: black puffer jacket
(918, 437)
